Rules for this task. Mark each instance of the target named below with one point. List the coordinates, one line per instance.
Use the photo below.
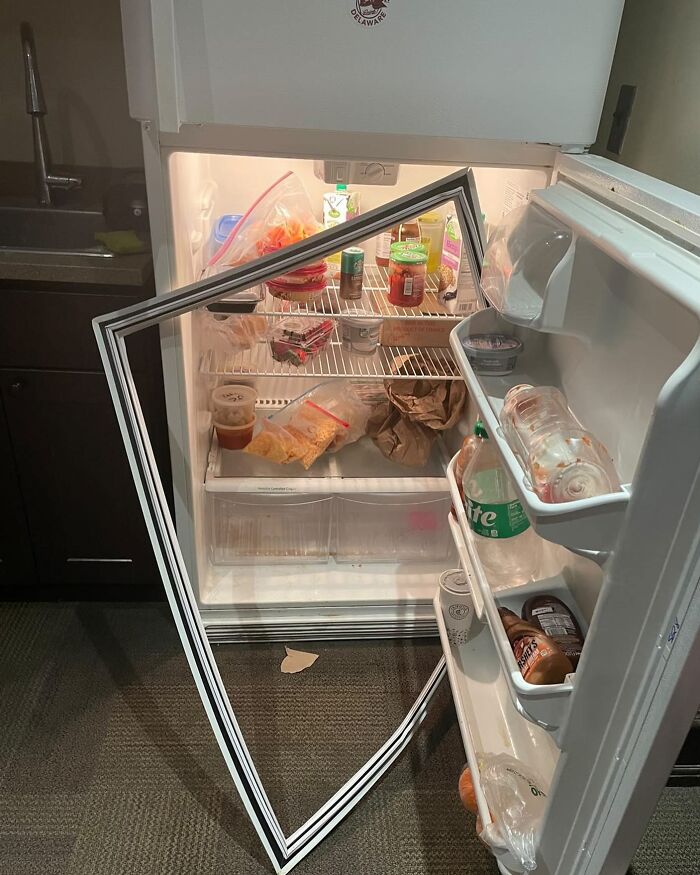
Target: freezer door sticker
(369, 12)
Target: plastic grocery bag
(517, 797)
(282, 215)
(226, 333)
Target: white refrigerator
(605, 296)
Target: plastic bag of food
(349, 400)
(226, 333)
(315, 427)
(517, 797)
(274, 443)
(282, 215)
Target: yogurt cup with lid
(493, 354)
(360, 333)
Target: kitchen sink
(51, 231)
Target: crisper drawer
(396, 527)
(248, 528)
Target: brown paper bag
(405, 427)
(435, 404)
(399, 439)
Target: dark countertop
(122, 270)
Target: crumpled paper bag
(398, 438)
(405, 426)
(435, 404)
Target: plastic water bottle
(565, 462)
(508, 548)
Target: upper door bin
(508, 71)
(607, 311)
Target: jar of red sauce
(407, 272)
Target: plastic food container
(493, 354)
(296, 341)
(360, 334)
(234, 437)
(407, 270)
(222, 228)
(234, 405)
(302, 286)
(306, 294)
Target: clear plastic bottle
(565, 462)
(508, 548)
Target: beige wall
(659, 51)
(79, 46)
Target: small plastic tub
(301, 293)
(492, 354)
(234, 405)
(234, 437)
(360, 334)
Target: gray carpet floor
(108, 765)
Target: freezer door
(285, 848)
(506, 70)
(602, 285)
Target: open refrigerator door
(603, 309)
(316, 430)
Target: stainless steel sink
(51, 231)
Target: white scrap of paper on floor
(297, 660)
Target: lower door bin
(397, 527)
(267, 529)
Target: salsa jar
(407, 271)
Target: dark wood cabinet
(71, 518)
(80, 501)
(16, 556)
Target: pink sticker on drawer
(423, 521)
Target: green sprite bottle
(508, 548)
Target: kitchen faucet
(36, 107)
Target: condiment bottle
(407, 278)
(557, 621)
(469, 445)
(539, 658)
(406, 232)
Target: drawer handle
(81, 559)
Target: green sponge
(121, 242)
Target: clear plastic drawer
(392, 528)
(266, 529)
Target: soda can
(352, 262)
(457, 605)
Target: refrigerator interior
(377, 506)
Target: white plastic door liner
(111, 330)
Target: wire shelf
(374, 300)
(334, 361)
